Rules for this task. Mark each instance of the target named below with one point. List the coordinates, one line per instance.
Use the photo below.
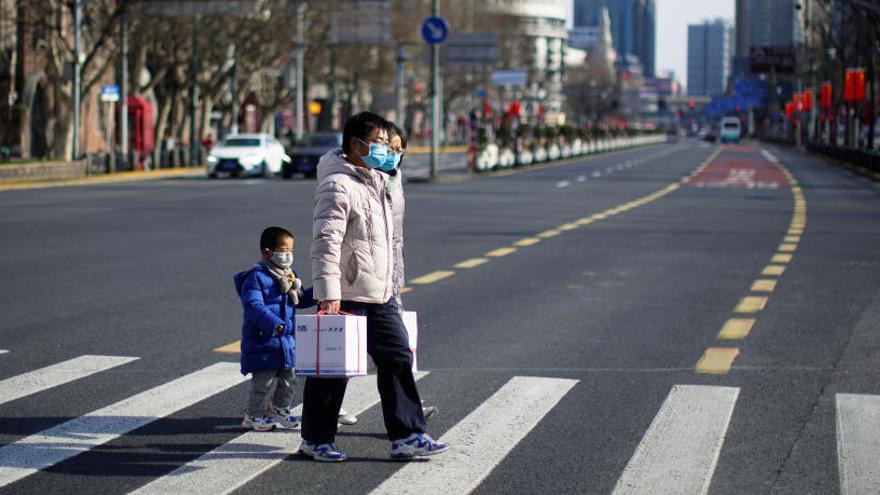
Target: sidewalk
(108, 178)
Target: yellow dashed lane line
(773, 270)
(717, 360)
(497, 253)
(763, 285)
(781, 258)
(528, 241)
(432, 277)
(736, 328)
(471, 263)
(751, 304)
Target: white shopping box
(331, 345)
(411, 321)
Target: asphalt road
(585, 360)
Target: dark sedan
(304, 159)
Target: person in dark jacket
(270, 293)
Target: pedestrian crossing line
(528, 241)
(482, 439)
(763, 285)
(42, 379)
(781, 258)
(432, 277)
(235, 463)
(717, 360)
(680, 450)
(498, 253)
(230, 348)
(736, 328)
(471, 263)
(773, 270)
(49, 447)
(751, 304)
(858, 441)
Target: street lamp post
(123, 85)
(299, 52)
(435, 99)
(77, 75)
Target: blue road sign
(109, 92)
(435, 30)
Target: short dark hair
(360, 126)
(394, 130)
(272, 236)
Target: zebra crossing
(678, 453)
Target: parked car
(304, 158)
(247, 155)
(731, 130)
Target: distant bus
(730, 130)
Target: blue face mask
(377, 155)
(391, 162)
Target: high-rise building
(633, 25)
(766, 23)
(709, 57)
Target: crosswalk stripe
(858, 441)
(679, 452)
(57, 374)
(482, 439)
(233, 464)
(51, 446)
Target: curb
(107, 179)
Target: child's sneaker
(416, 445)
(258, 423)
(346, 418)
(325, 452)
(283, 417)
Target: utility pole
(299, 51)
(399, 96)
(77, 74)
(193, 93)
(435, 100)
(233, 100)
(123, 86)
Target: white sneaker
(346, 418)
(283, 417)
(258, 423)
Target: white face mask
(282, 260)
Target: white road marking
(679, 452)
(597, 174)
(233, 464)
(858, 442)
(3, 351)
(769, 156)
(609, 170)
(49, 447)
(562, 183)
(42, 379)
(581, 178)
(482, 439)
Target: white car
(247, 154)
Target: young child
(270, 293)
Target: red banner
(825, 96)
(807, 100)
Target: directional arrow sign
(435, 30)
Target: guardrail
(494, 157)
(862, 158)
(13, 173)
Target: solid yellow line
(528, 241)
(432, 277)
(549, 233)
(471, 263)
(763, 285)
(773, 270)
(717, 360)
(792, 238)
(497, 253)
(787, 248)
(231, 348)
(736, 328)
(751, 304)
(781, 258)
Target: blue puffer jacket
(265, 307)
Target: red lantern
(825, 96)
(807, 100)
(796, 102)
(789, 109)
